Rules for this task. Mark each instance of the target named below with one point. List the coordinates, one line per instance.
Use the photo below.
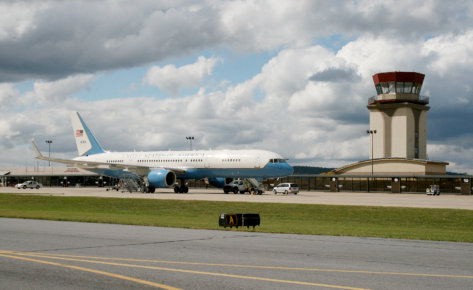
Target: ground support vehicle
(433, 190)
(250, 185)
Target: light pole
(49, 150)
(371, 132)
(190, 138)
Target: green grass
(363, 221)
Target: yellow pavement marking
(47, 256)
(144, 282)
(263, 267)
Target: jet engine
(161, 178)
(220, 182)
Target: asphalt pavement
(37, 254)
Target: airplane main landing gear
(182, 188)
(179, 189)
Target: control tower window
(392, 89)
(412, 88)
(379, 91)
(386, 88)
(418, 89)
(407, 87)
(400, 87)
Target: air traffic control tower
(398, 115)
(398, 129)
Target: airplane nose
(279, 170)
(289, 170)
(285, 169)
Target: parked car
(29, 184)
(286, 188)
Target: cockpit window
(277, 160)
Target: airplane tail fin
(85, 140)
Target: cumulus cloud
(7, 94)
(71, 37)
(56, 38)
(338, 75)
(449, 51)
(47, 92)
(18, 18)
(172, 79)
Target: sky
(293, 77)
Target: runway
(69, 255)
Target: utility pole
(371, 132)
(49, 150)
(190, 138)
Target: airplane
(161, 169)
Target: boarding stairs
(131, 183)
(255, 184)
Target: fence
(411, 184)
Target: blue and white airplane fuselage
(162, 168)
(202, 163)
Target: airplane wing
(140, 170)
